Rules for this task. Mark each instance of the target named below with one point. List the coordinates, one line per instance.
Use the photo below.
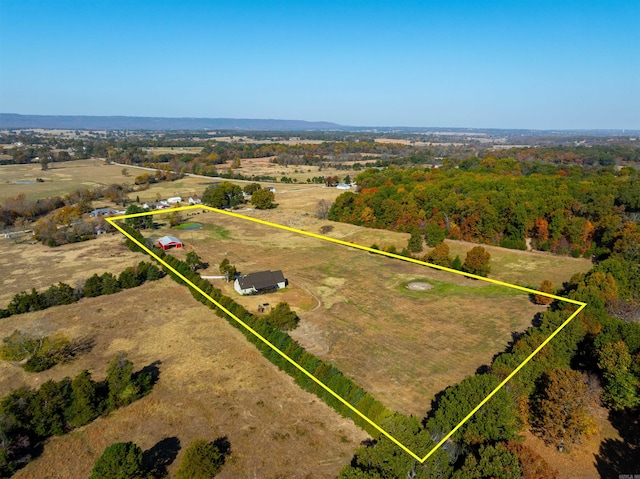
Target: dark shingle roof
(261, 280)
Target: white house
(174, 199)
(261, 282)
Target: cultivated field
(356, 310)
(212, 383)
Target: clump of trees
(228, 270)
(31, 415)
(223, 195)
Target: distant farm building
(168, 242)
(175, 199)
(262, 282)
(101, 212)
(195, 200)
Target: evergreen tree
(122, 460)
(434, 235)
(85, 405)
(201, 460)
(93, 286)
(122, 388)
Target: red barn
(168, 242)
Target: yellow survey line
(112, 221)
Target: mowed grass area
(212, 383)
(24, 266)
(403, 346)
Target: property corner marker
(112, 220)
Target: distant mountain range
(79, 122)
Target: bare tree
(322, 209)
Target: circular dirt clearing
(419, 286)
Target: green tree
(139, 222)
(477, 261)
(223, 195)
(228, 270)
(48, 408)
(415, 241)
(122, 388)
(109, 284)
(263, 199)
(251, 188)
(85, 404)
(201, 460)
(491, 462)
(122, 460)
(128, 279)
(92, 286)
(621, 385)
(282, 317)
(194, 261)
(560, 411)
(497, 420)
(434, 235)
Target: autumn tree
(477, 261)
(532, 464)
(546, 287)
(560, 411)
(439, 255)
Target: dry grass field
(356, 310)
(24, 266)
(60, 178)
(212, 383)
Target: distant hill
(79, 122)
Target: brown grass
(24, 266)
(212, 383)
(402, 346)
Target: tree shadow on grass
(617, 458)
(159, 457)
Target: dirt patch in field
(212, 383)
(419, 286)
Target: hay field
(212, 383)
(356, 311)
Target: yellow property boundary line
(112, 221)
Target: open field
(212, 383)
(60, 178)
(173, 150)
(264, 167)
(24, 266)
(356, 311)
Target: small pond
(189, 226)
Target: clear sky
(504, 64)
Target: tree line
(96, 285)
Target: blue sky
(501, 64)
